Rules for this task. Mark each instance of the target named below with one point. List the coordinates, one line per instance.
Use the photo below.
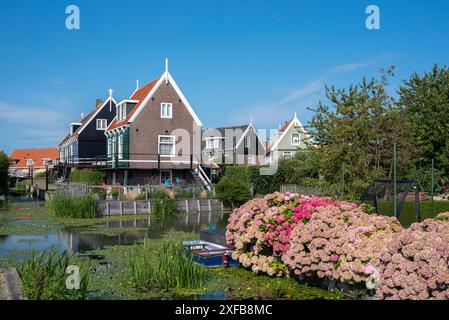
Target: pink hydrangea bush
(340, 243)
(415, 263)
(260, 230)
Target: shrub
(415, 264)
(4, 179)
(339, 243)
(44, 277)
(64, 206)
(170, 267)
(87, 176)
(233, 191)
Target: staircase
(201, 177)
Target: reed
(64, 206)
(44, 276)
(165, 207)
(167, 268)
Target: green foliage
(233, 191)
(4, 166)
(44, 277)
(40, 175)
(425, 99)
(165, 207)
(183, 194)
(169, 267)
(358, 130)
(87, 176)
(64, 206)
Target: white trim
(102, 121)
(178, 91)
(169, 110)
(295, 120)
(245, 133)
(299, 139)
(127, 101)
(159, 145)
(247, 142)
(95, 114)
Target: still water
(128, 232)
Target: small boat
(210, 255)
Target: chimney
(98, 103)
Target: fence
(114, 208)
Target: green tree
(358, 130)
(4, 166)
(233, 191)
(425, 99)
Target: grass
(407, 215)
(169, 267)
(64, 206)
(165, 207)
(44, 277)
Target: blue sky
(232, 59)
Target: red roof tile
(140, 95)
(285, 126)
(21, 155)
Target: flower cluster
(415, 264)
(260, 230)
(340, 243)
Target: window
(166, 177)
(121, 112)
(113, 146)
(295, 138)
(102, 124)
(287, 154)
(120, 147)
(212, 143)
(247, 142)
(30, 162)
(167, 146)
(47, 162)
(166, 110)
(109, 147)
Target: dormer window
(30, 162)
(166, 110)
(121, 112)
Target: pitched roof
(140, 95)
(286, 125)
(284, 130)
(85, 120)
(21, 155)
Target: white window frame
(171, 176)
(102, 124)
(286, 154)
(30, 162)
(120, 146)
(173, 143)
(299, 139)
(109, 147)
(121, 112)
(247, 142)
(213, 143)
(166, 110)
(114, 139)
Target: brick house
(155, 137)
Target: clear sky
(232, 59)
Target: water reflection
(81, 239)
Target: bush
(233, 191)
(4, 179)
(87, 176)
(64, 206)
(170, 267)
(44, 277)
(415, 264)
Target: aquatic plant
(44, 276)
(65, 206)
(169, 267)
(165, 207)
